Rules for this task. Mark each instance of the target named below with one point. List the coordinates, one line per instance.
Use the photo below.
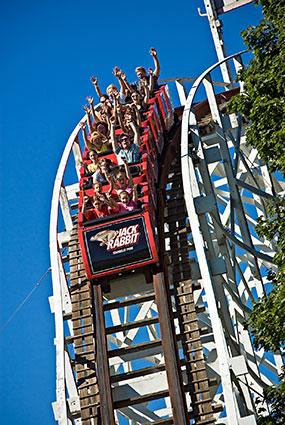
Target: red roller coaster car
(122, 242)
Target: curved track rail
(173, 350)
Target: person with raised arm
(88, 118)
(94, 81)
(142, 75)
(127, 201)
(94, 114)
(125, 148)
(105, 170)
(96, 141)
(128, 87)
(106, 107)
(122, 179)
(139, 104)
(114, 93)
(100, 208)
(104, 197)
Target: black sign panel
(116, 245)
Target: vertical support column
(176, 394)
(63, 200)
(216, 30)
(106, 402)
(181, 92)
(77, 156)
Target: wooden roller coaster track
(171, 347)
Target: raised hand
(94, 80)
(86, 109)
(150, 71)
(116, 71)
(83, 125)
(153, 51)
(90, 100)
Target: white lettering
(126, 236)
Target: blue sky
(49, 51)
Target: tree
(263, 105)
(263, 102)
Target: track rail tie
(140, 399)
(133, 349)
(131, 325)
(84, 345)
(89, 406)
(70, 339)
(128, 302)
(137, 373)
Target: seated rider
(93, 166)
(95, 141)
(104, 170)
(126, 149)
(114, 93)
(150, 79)
(122, 180)
(100, 209)
(127, 202)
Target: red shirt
(95, 213)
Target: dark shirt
(137, 85)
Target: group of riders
(112, 136)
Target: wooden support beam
(103, 373)
(174, 378)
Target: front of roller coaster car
(124, 242)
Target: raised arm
(112, 134)
(149, 88)
(118, 114)
(138, 117)
(136, 133)
(110, 181)
(153, 53)
(89, 123)
(84, 203)
(84, 134)
(128, 172)
(90, 100)
(127, 84)
(94, 81)
(118, 73)
(135, 193)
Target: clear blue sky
(49, 51)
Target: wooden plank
(174, 378)
(107, 410)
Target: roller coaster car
(124, 242)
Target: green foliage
(275, 396)
(267, 320)
(263, 102)
(263, 105)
